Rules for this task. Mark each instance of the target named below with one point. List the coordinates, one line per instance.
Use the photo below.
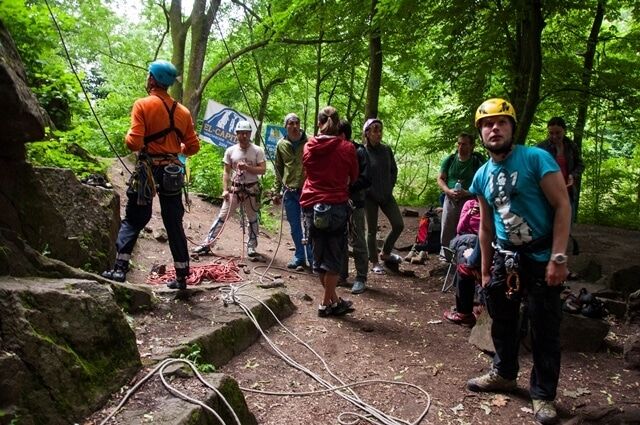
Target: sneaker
(491, 382)
(177, 283)
(202, 250)
(463, 319)
(117, 274)
(251, 251)
(544, 411)
(391, 258)
(378, 268)
(342, 307)
(324, 310)
(293, 264)
(358, 287)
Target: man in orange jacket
(161, 128)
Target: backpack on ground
(428, 235)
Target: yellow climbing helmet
(494, 107)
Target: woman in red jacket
(330, 164)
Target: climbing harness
(512, 267)
(172, 128)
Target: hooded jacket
(330, 165)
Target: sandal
(378, 268)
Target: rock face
(632, 352)
(46, 208)
(66, 346)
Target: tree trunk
(201, 22)
(587, 70)
(375, 67)
(316, 96)
(527, 65)
(179, 32)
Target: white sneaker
(251, 251)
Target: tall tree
(374, 80)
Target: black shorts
(329, 245)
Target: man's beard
(500, 150)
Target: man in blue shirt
(525, 211)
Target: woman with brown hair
(330, 164)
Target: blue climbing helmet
(163, 72)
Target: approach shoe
(491, 382)
(421, 258)
(251, 251)
(410, 255)
(343, 282)
(545, 412)
(358, 287)
(342, 307)
(324, 310)
(202, 250)
(117, 274)
(177, 283)
(463, 319)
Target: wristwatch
(559, 258)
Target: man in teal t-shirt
(458, 167)
(524, 209)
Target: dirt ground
(396, 334)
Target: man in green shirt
(289, 180)
(459, 167)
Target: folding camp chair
(450, 258)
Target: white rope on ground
(232, 295)
(159, 369)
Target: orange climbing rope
(221, 271)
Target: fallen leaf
(499, 400)
(486, 408)
(527, 410)
(457, 408)
(434, 322)
(251, 364)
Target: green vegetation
(194, 355)
(439, 61)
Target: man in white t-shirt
(243, 163)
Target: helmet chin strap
(502, 150)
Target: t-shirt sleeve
(443, 165)
(476, 184)
(260, 157)
(227, 156)
(545, 162)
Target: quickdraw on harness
(141, 181)
(512, 266)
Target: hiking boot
(358, 287)
(202, 250)
(463, 319)
(491, 382)
(117, 274)
(421, 258)
(177, 283)
(544, 411)
(251, 251)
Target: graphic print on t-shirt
(503, 188)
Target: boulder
(631, 353)
(626, 280)
(587, 267)
(577, 333)
(66, 346)
(23, 120)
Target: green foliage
(195, 356)
(206, 170)
(65, 152)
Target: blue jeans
(543, 309)
(291, 201)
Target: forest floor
(396, 334)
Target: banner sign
(272, 134)
(220, 122)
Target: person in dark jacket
(568, 157)
(330, 165)
(356, 231)
(383, 172)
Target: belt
(244, 185)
